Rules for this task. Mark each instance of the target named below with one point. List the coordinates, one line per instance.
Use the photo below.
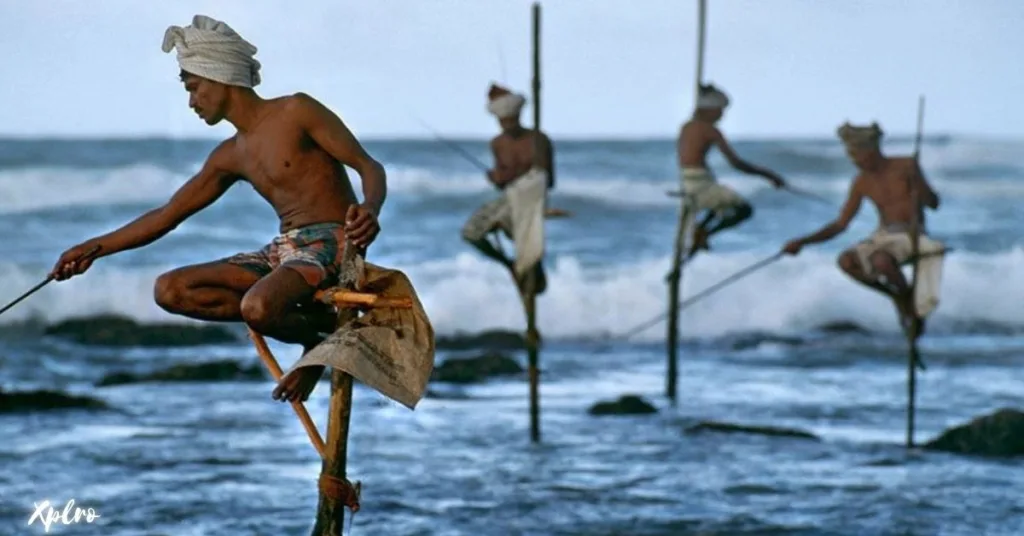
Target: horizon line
(465, 137)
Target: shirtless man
(725, 208)
(513, 151)
(875, 262)
(292, 151)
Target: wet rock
(842, 326)
(730, 428)
(476, 369)
(1000, 434)
(486, 340)
(213, 371)
(114, 330)
(446, 395)
(26, 401)
(625, 405)
(753, 340)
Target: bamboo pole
(300, 409)
(913, 357)
(336, 492)
(675, 276)
(529, 291)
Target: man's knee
(266, 303)
(169, 291)
(258, 311)
(470, 235)
(849, 263)
(882, 262)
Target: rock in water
(114, 330)
(773, 431)
(843, 326)
(27, 401)
(214, 371)
(475, 369)
(486, 340)
(625, 405)
(1000, 434)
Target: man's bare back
(725, 208)
(696, 139)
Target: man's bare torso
(303, 183)
(515, 154)
(889, 188)
(695, 141)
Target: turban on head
(211, 49)
(854, 137)
(503, 103)
(709, 98)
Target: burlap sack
(388, 349)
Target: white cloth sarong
(527, 197)
(896, 241)
(703, 192)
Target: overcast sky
(610, 67)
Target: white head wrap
(866, 137)
(711, 98)
(503, 103)
(211, 49)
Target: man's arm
(926, 194)
(735, 161)
(502, 174)
(197, 193)
(331, 134)
(837, 226)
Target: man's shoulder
(703, 129)
(543, 135)
(300, 104)
(224, 157)
(225, 149)
(905, 163)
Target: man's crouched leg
(270, 308)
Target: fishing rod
(791, 189)
(639, 328)
(88, 255)
(454, 146)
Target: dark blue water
(221, 458)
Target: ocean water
(222, 458)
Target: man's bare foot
(297, 385)
(700, 242)
(542, 278)
(912, 324)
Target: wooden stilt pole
(675, 276)
(913, 357)
(336, 492)
(529, 290)
(330, 514)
